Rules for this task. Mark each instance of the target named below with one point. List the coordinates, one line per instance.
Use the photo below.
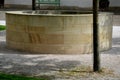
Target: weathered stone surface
(58, 34)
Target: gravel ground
(2, 15)
(53, 66)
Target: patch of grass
(17, 77)
(2, 27)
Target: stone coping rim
(31, 14)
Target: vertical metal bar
(96, 57)
(33, 4)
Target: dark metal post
(33, 4)
(96, 60)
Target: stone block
(11, 19)
(22, 20)
(36, 29)
(55, 33)
(55, 39)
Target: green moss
(2, 27)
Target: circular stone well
(56, 32)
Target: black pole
(33, 4)
(96, 60)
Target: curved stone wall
(56, 33)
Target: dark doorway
(1, 3)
